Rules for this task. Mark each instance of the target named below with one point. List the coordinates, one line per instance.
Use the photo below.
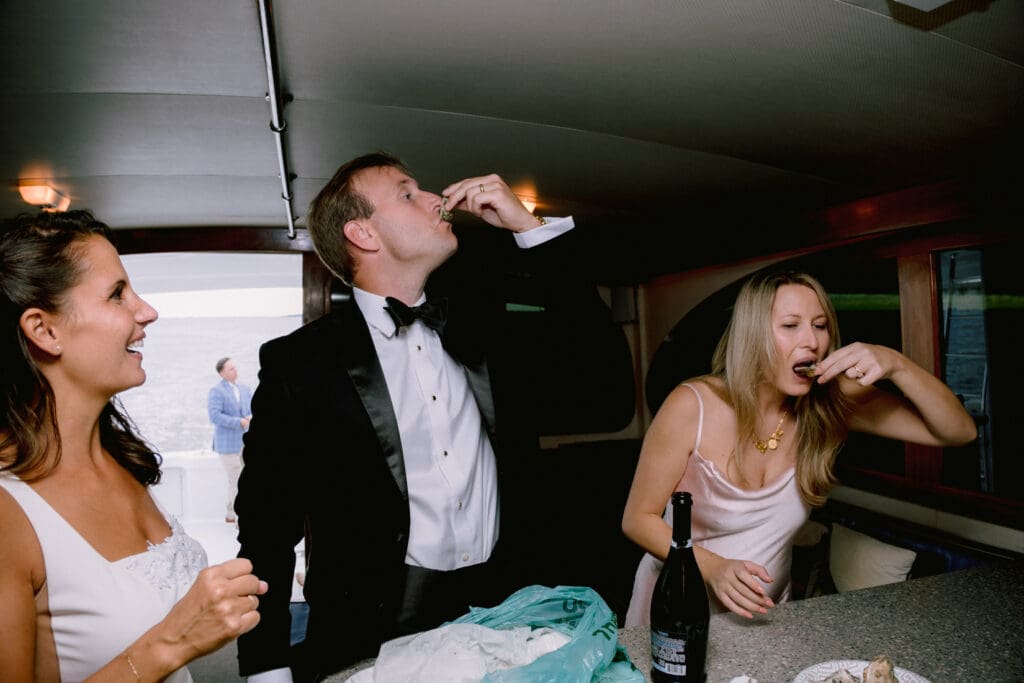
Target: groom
(382, 432)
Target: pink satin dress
(735, 523)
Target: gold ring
(482, 188)
(860, 373)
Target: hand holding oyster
(446, 215)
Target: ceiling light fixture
(39, 193)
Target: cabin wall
(664, 301)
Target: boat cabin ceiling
(679, 134)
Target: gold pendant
(773, 439)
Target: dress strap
(700, 417)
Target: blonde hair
(746, 356)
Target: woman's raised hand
(863, 363)
(220, 606)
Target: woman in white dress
(755, 441)
(96, 583)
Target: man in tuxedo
(384, 432)
(228, 407)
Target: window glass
(982, 313)
(211, 306)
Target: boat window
(981, 321)
(211, 306)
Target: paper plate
(819, 671)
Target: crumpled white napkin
(743, 679)
(458, 653)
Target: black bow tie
(433, 313)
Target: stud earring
(59, 349)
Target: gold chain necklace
(772, 442)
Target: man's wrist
(536, 222)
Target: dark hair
(222, 362)
(40, 260)
(338, 203)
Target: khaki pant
(232, 463)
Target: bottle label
(668, 652)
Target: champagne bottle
(679, 607)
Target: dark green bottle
(679, 607)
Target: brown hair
(337, 204)
(40, 260)
(745, 357)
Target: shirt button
(433, 398)
(465, 557)
(460, 505)
(419, 348)
(444, 453)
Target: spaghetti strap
(700, 416)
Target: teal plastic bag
(593, 653)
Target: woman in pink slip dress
(755, 441)
(96, 582)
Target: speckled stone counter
(963, 626)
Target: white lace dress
(96, 608)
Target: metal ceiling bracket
(277, 123)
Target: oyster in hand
(446, 215)
(806, 369)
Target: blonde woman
(755, 441)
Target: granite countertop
(962, 626)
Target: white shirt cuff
(541, 234)
(272, 676)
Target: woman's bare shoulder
(16, 531)
(708, 386)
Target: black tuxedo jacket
(323, 457)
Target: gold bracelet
(132, 665)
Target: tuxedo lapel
(367, 377)
(480, 384)
(467, 350)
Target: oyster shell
(806, 370)
(840, 676)
(880, 670)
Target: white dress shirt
(449, 461)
